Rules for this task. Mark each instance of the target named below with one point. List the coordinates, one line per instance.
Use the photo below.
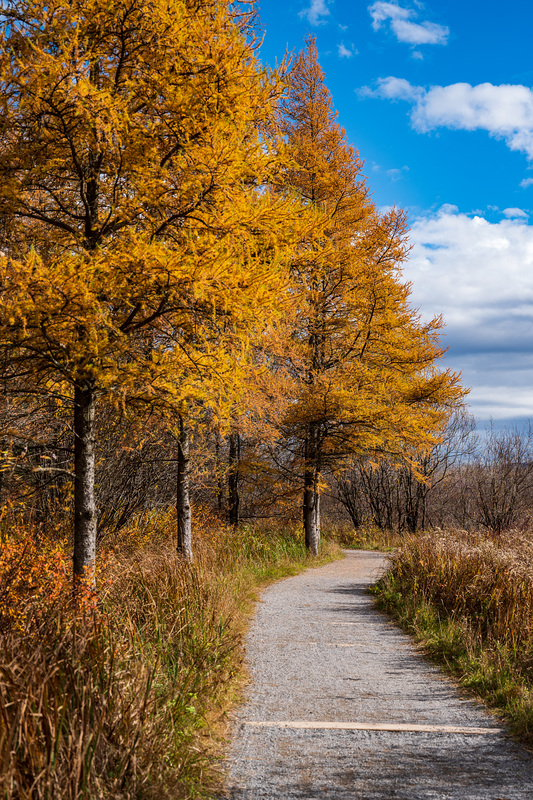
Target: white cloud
(474, 264)
(510, 401)
(381, 12)
(526, 182)
(449, 208)
(480, 276)
(345, 52)
(395, 174)
(504, 111)
(400, 22)
(513, 213)
(394, 89)
(316, 11)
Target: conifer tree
(366, 365)
(129, 153)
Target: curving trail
(342, 707)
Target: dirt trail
(341, 706)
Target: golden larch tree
(134, 212)
(366, 365)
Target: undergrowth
(365, 537)
(125, 697)
(468, 599)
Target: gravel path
(342, 707)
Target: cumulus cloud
(504, 111)
(526, 182)
(316, 12)
(400, 22)
(480, 276)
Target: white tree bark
(85, 517)
(311, 497)
(183, 500)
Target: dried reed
(468, 598)
(120, 699)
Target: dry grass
(365, 537)
(125, 698)
(469, 599)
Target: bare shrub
(502, 476)
(392, 494)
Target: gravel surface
(319, 653)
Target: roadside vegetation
(126, 697)
(461, 572)
(467, 597)
(366, 537)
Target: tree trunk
(219, 475)
(423, 509)
(311, 516)
(233, 479)
(183, 501)
(311, 497)
(84, 497)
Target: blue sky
(438, 99)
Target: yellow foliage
(367, 366)
(154, 243)
(143, 254)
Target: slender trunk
(84, 496)
(311, 497)
(233, 479)
(311, 516)
(4, 466)
(423, 508)
(219, 475)
(183, 501)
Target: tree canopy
(181, 229)
(366, 364)
(139, 240)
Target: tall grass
(126, 698)
(365, 537)
(469, 599)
